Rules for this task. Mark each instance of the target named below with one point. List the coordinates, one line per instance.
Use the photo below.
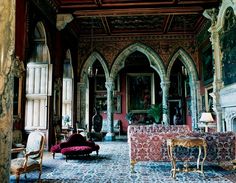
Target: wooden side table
(188, 142)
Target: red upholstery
(77, 150)
(75, 145)
(56, 148)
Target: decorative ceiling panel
(184, 23)
(114, 17)
(89, 24)
(136, 23)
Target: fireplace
(228, 103)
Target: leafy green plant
(155, 111)
(130, 116)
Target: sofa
(76, 144)
(148, 143)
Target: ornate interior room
(110, 70)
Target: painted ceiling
(125, 17)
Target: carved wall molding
(63, 20)
(18, 68)
(229, 118)
(211, 14)
(137, 38)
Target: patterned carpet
(112, 166)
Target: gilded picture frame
(140, 92)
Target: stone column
(165, 85)
(217, 55)
(81, 103)
(195, 90)
(7, 44)
(110, 110)
(218, 80)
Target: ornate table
(188, 142)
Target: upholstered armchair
(33, 155)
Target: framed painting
(186, 88)
(101, 103)
(203, 103)
(175, 85)
(140, 92)
(209, 99)
(100, 83)
(207, 64)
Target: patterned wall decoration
(110, 47)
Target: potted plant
(155, 111)
(130, 117)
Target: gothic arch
(187, 62)
(40, 32)
(155, 61)
(84, 85)
(222, 12)
(90, 60)
(193, 81)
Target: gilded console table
(188, 142)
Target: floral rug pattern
(112, 166)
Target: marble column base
(109, 137)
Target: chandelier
(92, 72)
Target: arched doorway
(192, 81)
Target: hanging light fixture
(92, 72)
(184, 71)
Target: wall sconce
(206, 118)
(92, 72)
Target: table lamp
(206, 117)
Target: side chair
(59, 135)
(33, 156)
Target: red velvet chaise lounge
(75, 145)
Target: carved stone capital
(110, 85)
(63, 20)
(81, 86)
(165, 84)
(18, 67)
(211, 14)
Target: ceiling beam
(139, 11)
(135, 3)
